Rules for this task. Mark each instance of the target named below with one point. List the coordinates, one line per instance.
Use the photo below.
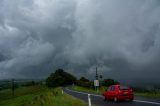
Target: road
(99, 99)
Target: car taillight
(120, 92)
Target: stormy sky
(120, 37)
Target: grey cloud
(120, 37)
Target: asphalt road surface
(99, 99)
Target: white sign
(96, 83)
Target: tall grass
(54, 97)
(38, 96)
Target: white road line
(155, 103)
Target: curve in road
(99, 100)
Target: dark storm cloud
(122, 38)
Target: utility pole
(96, 81)
(96, 74)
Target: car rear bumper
(122, 97)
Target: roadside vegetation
(148, 94)
(40, 92)
(38, 96)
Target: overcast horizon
(120, 37)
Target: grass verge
(148, 94)
(38, 96)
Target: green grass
(38, 96)
(147, 94)
(102, 89)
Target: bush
(108, 82)
(84, 84)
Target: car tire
(115, 99)
(130, 100)
(105, 99)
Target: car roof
(118, 85)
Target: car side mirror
(106, 90)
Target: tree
(84, 79)
(83, 82)
(108, 82)
(60, 78)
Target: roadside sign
(96, 83)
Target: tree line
(62, 78)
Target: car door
(112, 92)
(108, 93)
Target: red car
(118, 92)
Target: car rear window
(112, 88)
(123, 87)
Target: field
(146, 94)
(38, 96)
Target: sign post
(96, 84)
